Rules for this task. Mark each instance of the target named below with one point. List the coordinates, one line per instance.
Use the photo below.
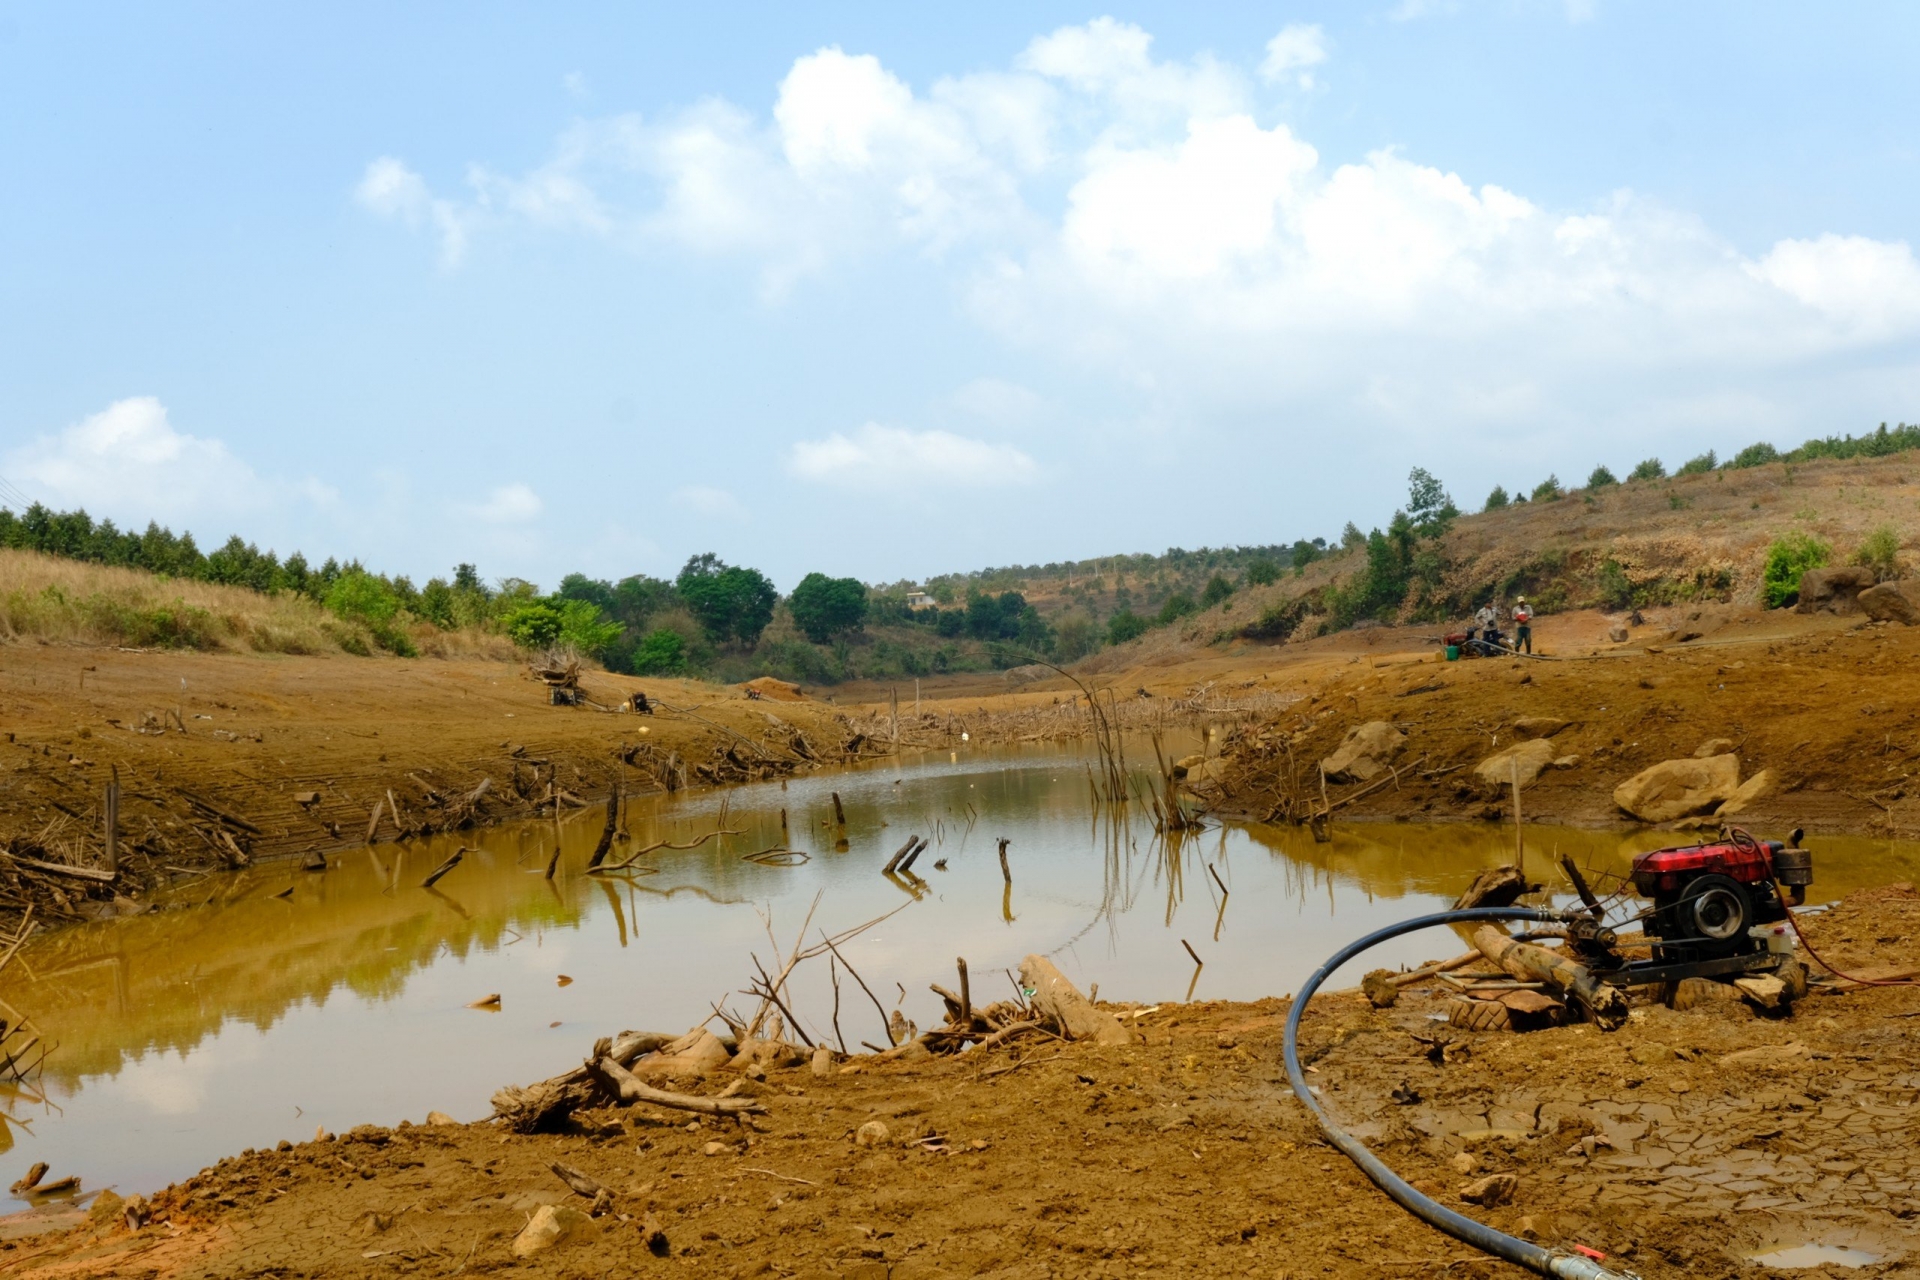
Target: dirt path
(1678, 1145)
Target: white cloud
(1870, 285)
(514, 503)
(881, 457)
(708, 501)
(1205, 263)
(128, 462)
(575, 84)
(392, 190)
(1292, 55)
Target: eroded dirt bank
(1679, 1145)
(228, 757)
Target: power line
(10, 496)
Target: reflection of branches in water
(697, 891)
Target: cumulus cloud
(514, 503)
(1137, 219)
(882, 457)
(1292, 55)
(129, 462)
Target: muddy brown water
(243, 1014)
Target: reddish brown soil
(256, 731)
(1185, 1154)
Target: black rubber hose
(1546, 1262)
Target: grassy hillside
(1702, 536)
(56, 600)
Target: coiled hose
(1546, 1262)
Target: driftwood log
(626, 1088)
(1061, 1002)
(543, 1107)
(1602, 1003)
(1495, 887)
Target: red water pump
(1712, 904)
(1707, 897)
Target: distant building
(920, 600)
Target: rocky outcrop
(1679, 788)
(1366, 752)
(1889, 602)
(1834, 590)
(1524, 761)
(1538, 726)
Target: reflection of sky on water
(245, 1018)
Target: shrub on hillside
(1216, 592)
(1651, 469)
(534, 625)
(1497, 499)
(1124, 626)
(1074, 637)
(1601, 478)
(1261, 571)
(1754, 455)
(1880, 552)
(1787, 559)
(1698, 466)
(1276, 622)
(1177, 606)
(1549, 489)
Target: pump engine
(1708, 897)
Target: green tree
(595, 591)
(1497, 499)
(533, 624)
(1261, 570)
(583, 626)
(1651, 469)
(1754, 455)
(1601, 478)
(1124, 626)
(1698, 466)
(1787, 560)
(824, 607)
(1549, 489)
(661, 652)
(729, 603)
(1218, 589)
(1429, 506)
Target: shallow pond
(271, 1002)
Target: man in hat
(1522, 626)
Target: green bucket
(1453, 653)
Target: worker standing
(1485, 619)
(1522, 626)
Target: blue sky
(885, 291)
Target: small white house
(920, 600)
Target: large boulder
(1679, 788)
(1889, 603)
(1364, 753)
(1749, 791)
(1835, 590)
(1523, 760)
